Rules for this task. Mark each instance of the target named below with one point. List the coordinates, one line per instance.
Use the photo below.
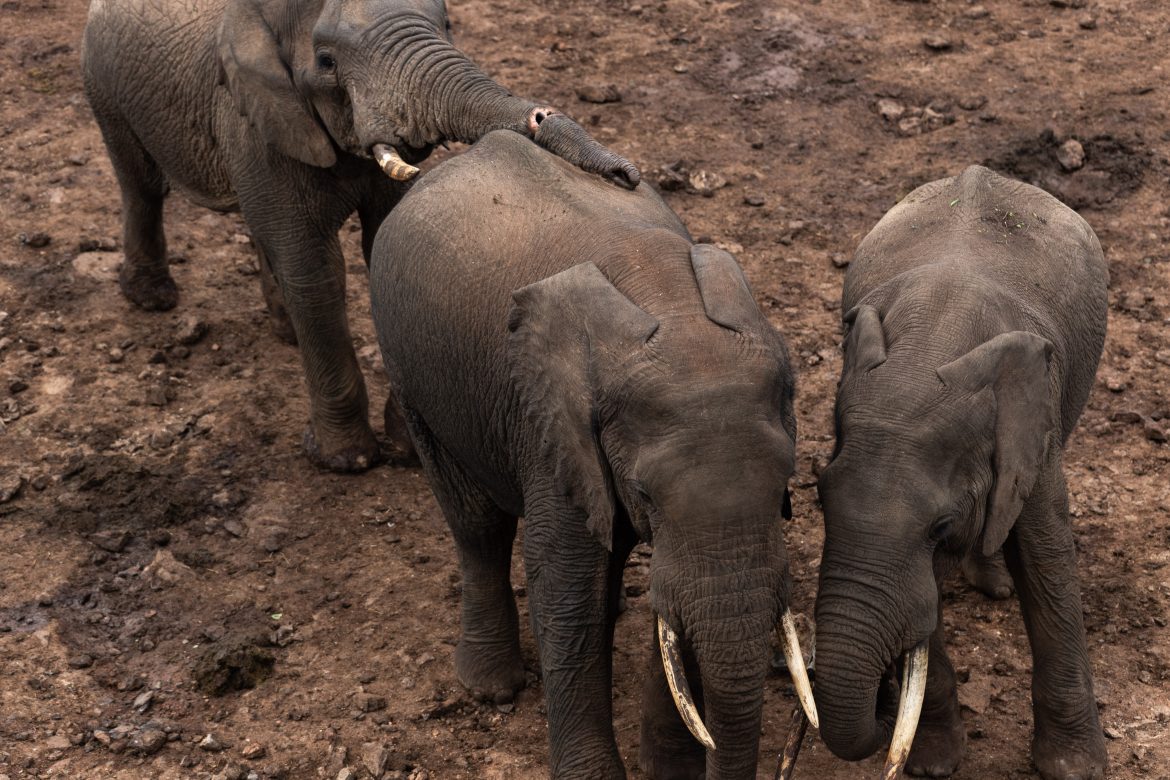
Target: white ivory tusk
(794, 657)
(393, 165)
(677, 680)
(909, 709)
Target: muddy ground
(162, 537)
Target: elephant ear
(261, 83)
(564, 332)
(1016, 366)
(865, 343)
(727, 299)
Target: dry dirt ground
(162, 537)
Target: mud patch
(1113, 168)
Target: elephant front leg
(311, 276)
(570, 599)
(1067, 743)
(667, 750)
(941, 739)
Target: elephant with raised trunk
(563, 352)
(290, 111)
(975, 314)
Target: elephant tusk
(677, 680)
(796, 732)
(909, 709)
(794, 657)
(393, 165)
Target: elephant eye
(942, 528)
(325, 62)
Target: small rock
(191, 331)
(210, 744)
(911, 125)
(1087, 22)
(1163, 356)
(111, 541)
(1126, 416)
(977, 12)
(375, 756)
(166, 568)
(1071, 155)
(890, 110)
(37, 240)
(599, 93)
(273, 538)
(80, 661)
(839, 260)
(157, 396)
(346, 774)
(148, 741)
(1112, 733)
(938, 43)
(234, 527)
(972, 102)
(115, 355)
(368, 702)
(253, 751)
(1153, 431)
(1115, 384)
(10, 487)
(1067, 3)
(17, 386)
(754, 200)
(143, 700)
(705, 183)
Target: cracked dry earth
(164, 545)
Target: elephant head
(942, 430)
(381, 79)
(679, 424)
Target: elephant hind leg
(487, 658)
(988, 575)
(144, 278)
(281, 322)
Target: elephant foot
(988, 575)
(938, 748)
(661, 762)
(399, 446)
(1082, 759)
(353, 454)
(491, 672)
(150, 291)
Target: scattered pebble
(839, 260)
(599, 93)
(977, 12)
(705, 183)
(211, 744)
(80, 661)
(1071, 155)
(10, 487)
(890, 110)
(754, 200)
(253, 751)
(110, 540)
(369, 702)
(36, 240)
(148, 741)
(17, 386)
(375, 756)
(1087, 22)
(191, 331)
(938, 43)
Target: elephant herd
(559, 349)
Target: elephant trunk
(851, 664)
(732, 655)
(432, 93)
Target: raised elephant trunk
(436, 94)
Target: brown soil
(169, 542)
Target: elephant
(563, 352)
(296, 113)
(975, 313)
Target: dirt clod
(233, 666)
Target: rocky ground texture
(183, 596)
